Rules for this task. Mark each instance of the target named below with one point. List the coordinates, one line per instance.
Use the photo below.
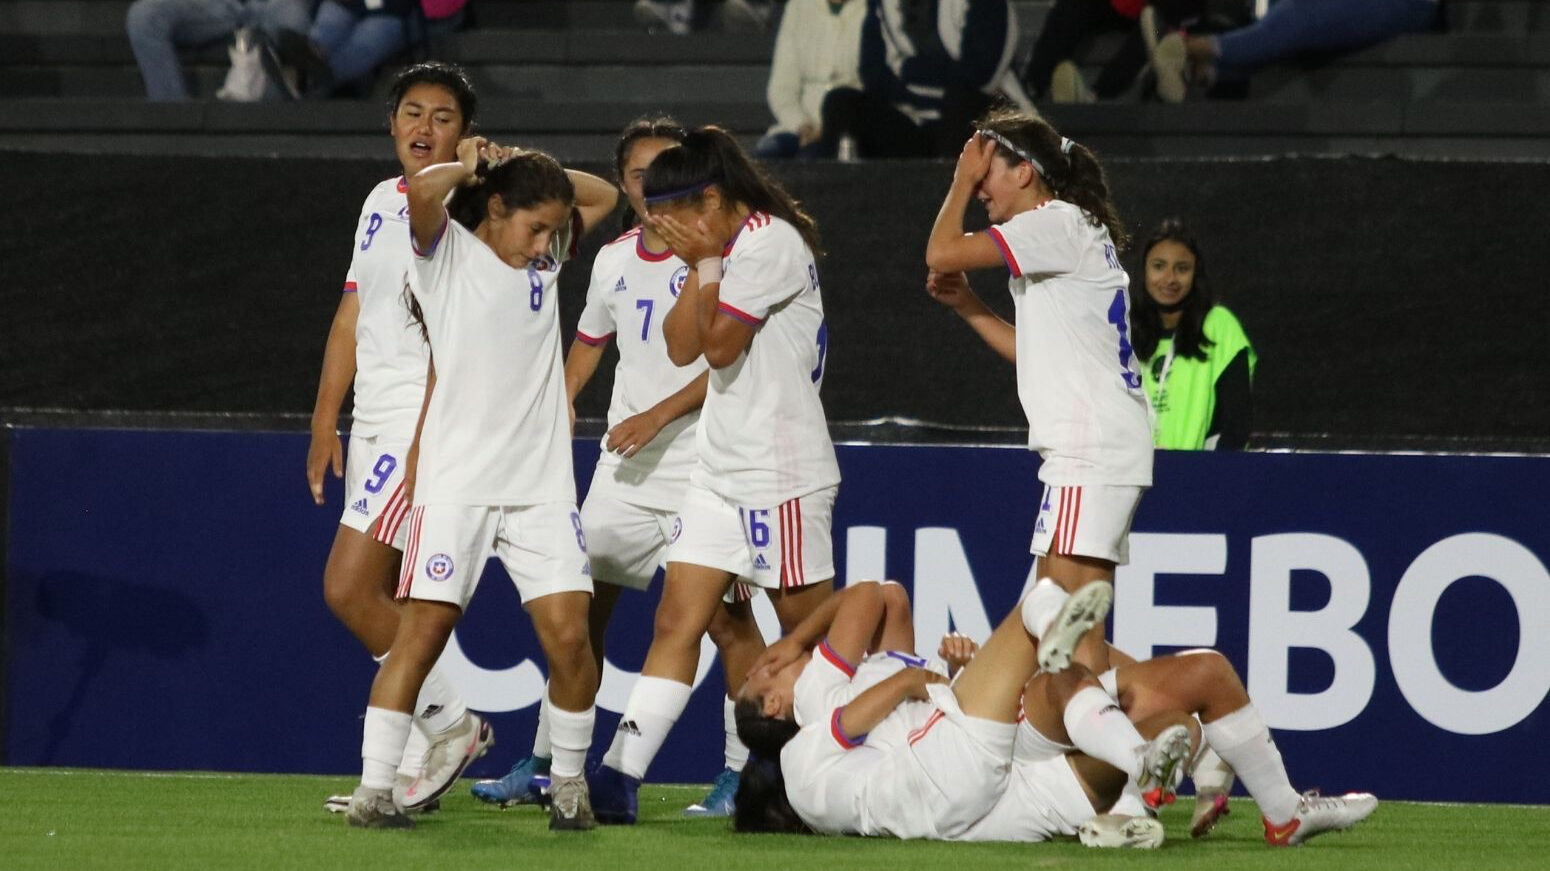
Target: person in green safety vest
(1197, 363)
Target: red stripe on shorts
(787, 580)
(387, 529)
(936, 717)
(411, 556)
(801, 566)
(1076, 517)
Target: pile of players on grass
(718, 466)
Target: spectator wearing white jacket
(818, 48)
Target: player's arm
(949, 249)
(875, 704)
(952, 290)
(681, 327)
(849, 619)
(595, 198)
(325, 450)
(637, 431)
(429, 187)
(581, 363)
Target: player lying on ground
(889, 748)
(1058, 781)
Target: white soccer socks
(1243, 741)
(736, 750)
(1100, 729)
(438, 707)
(570, 734)
(382, 746)
(655, 705)
(1041, 605)
(542, 748)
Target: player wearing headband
(648, 453)
(1056, 230)
(759, 502)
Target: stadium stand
(566, 74)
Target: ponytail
(710, 156)
(1071, 169)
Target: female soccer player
(1055, 229)
(759, 502)
(373, 342)
(880, 746)
(1196, 360)
(647, 455)
(493, 471)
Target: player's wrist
(709, 269)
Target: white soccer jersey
(632, 290)
(498, 429)
(763, 435)
(845, 784)
(390, 354)
(1077, 376)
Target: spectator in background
(680, 17)
(928, 69)
(1290, 27)
(158, 28)
(349, 39)
(1196, 362)
(1052, 71)
(817, 49)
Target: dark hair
(763, 735)
(1146, 325)
(709, 155)
(1073, 175)
(761, 803)
(645, 127)
(523, 181)
(449, 76)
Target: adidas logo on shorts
(761, 564)
(360, 506)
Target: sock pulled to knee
(1100, 729)
(655, 705)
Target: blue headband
(675, 195)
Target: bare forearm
(428, 189)
(948, 229)
(686, 400)
(595, 197)
(875, 704)
(580, 365)
(681, 327)
(997, 333)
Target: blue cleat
(614, 799)
(720, 802)
(526, 783)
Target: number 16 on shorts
(790, 543)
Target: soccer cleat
(1210, 807)
(1112, 831)
(375, 809)
(1317, 814)
(570, 806)
(1163, 760)
(450, 753)
(614, 796)
(1084, 609)
(719, 802)
(338, 804)
(526, 783)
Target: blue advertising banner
(1389, 614)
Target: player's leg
(1072, 708)
(1080, 535)
(1206, 684)
(544, 551)
(738, 642)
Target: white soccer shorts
(966, 758)
(374, 489)
(625, 542)
(779, 547)
(541, 546)
(1091, 521)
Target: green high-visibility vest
(1186, 399)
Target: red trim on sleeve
(350, 287)
(838, 731)
(739, 315)
(436, 242)
(594, 341)
(403, 185)
(835, 659)
(1006, 252)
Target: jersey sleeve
(597, 323)
(762, 272)
(826, 780)
(824, 685)
(431, 267)
(1038, 242)
(351, 282)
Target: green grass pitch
(80, 819)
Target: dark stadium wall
(1388, 299)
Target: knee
(144, 21)
(1208, 668)
(728, 629)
